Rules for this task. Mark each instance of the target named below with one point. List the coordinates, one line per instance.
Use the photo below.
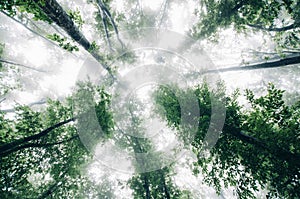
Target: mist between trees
(48, 147)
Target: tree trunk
(146, 186)
(58, 15)
(272, 64)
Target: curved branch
(106, 12)
(37, 145)
(104, 23)
(277, 151)
(282, 29)
(271, 64)
(10, 146)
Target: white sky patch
(63, 82)
(113, 157)
(181, 16)
(97, 171)
(36, 53)
(153, 4)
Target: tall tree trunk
(58, 15)
(165, 187)
(271, 64)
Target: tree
(51, 11)
(280, 19)
(41, 153)
(257, 146)
(261, 15)
(45, 150)
(152, 178)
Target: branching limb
(37, 145)
(104, 23)
(273, 29)
(105, 13)
(22, 65)
(10, 146)
(42, 101)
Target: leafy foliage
(62, 42)
(29, 6)
(158, 182)
(262, 15)
(39, 163)
(76, 17)
(258, 147)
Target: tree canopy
(125, 106)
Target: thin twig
(22, 65)
(2, 100)
(164, 6)
(42, 101)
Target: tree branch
(164, 8)
(36, 145)
(58, 15)
(10, 146)
(31, 30)
(270, 64)
(108, 15)
(42, 101)
(53, 187)
(2, 100)
(290, 27)
(104, 23)
(277, 151)
(22, 65)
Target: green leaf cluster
(62, 42)
(76, 17)
(28, 6)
